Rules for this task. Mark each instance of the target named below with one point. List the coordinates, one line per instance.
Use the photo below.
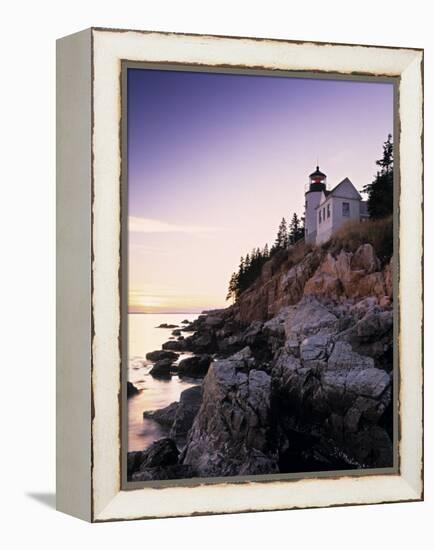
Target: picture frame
(91, 167)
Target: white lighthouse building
(326, 211)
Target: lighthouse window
(328, 211)
(319, 216)
(346, 209)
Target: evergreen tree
(282, 236)
(386, 162)
(380, 191)
(294, 229)
(241, 266)
(247, 262)
(232, 289)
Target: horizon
(207, 151)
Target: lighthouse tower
(316, 186)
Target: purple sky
(216, 160)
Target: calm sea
(143, 336)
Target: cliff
(302, 371)
(313, 271)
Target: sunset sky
(215, 161)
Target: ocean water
(143, 337)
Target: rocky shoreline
(297, 376)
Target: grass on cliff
(378, 233)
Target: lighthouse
(317, 184)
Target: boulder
(165, 416)
(166, 325)
(174, 345)
(253, 333)
(214, 321)
(162, 369)
(309, 317)
(160, 454)
(131, 389)
(231, 432)
(195, 366)
(343, 358)
(315, 349)
(370, 382)
(176, 332)
(158, 355)
(275, 327)
(201, 342)
(189, 404)
(365, 259)
(230, 344)
(244, 354)
(372, 335)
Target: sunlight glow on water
(156, 394)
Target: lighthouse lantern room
(317, 181)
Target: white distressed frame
(109, 48)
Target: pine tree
(285, 236)
(232, 289)
(241, 266)
(247, 262)
(386, 162)
(294, 229)
(282, 236)
(380, 191)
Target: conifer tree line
(250, 265)
(380, 191)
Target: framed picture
(239, 269)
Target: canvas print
(258, 273)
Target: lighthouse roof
(317, 173)
(344, 189)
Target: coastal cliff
(314, 271)
(297, 374)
